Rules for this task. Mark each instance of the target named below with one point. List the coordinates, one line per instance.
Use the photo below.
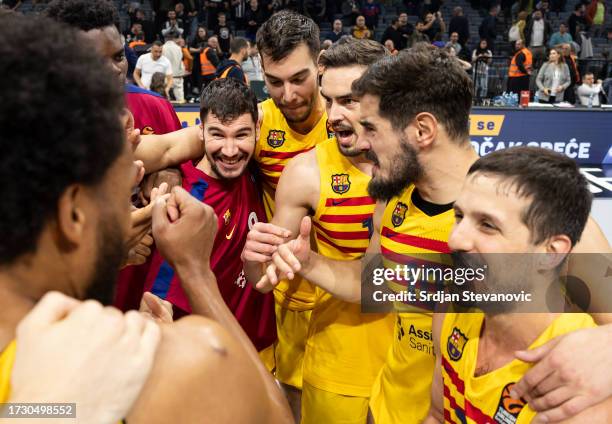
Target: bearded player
(344, 349)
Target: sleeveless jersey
(7, 358)
(486, 398)
(278, 144)
(345, 349)
(412, 231)
(237, 204)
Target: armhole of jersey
(322, 193)
(258, 142)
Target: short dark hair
(227, 99)
(60, 129)
(578, 7)
(560, 197)
(589, 73)
(84, 14)
(395, 20)
(157, 43)
(351, 51)
(238, 44)
(284, 32)
(422, 79)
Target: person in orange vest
(520, 69)
(232, 66)
(208, 62)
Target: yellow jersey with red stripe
(412, 231)
(7, 358)
(345, 349)
(486, 398)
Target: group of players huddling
(258, 249)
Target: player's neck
(445, 170)
(360, 162)
(15, 303)
(236, 58)
(513, 331)
(205, 166)
(313, 119)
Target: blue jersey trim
(134, 89)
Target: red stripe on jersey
(280, 155)
(344, 235)
(457, 381)
(415, 241)
(272, 167)
(357, 218)
(342, 249)
(408, 259)
(349, 201)
(470, 410)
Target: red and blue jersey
(238, 206)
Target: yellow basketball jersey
(7, 358)
(410, 227)
(470, 399)
(345, 349)
(276, 146)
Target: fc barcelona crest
(276, 138)
(399, 213)
(456, 343)
(340, 183)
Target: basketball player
(414, 106)
(344, 349)
(507, 206)
(64, 227)
(291, 122)
(228, 112)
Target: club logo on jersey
(456, 343)
(399, 213)
(340, 183)
(508, 408)
(276, 138)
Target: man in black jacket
(392, 33)
(537, 33)
(459, 24)
(488, 27)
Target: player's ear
(426, 129)
(201, 132)
(71, 217)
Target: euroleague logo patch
(276, 138)
(340, 183)
(456, 343)
(508, 408)
(399, 213)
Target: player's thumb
(536, 354)
(159, 216)
(305, 227)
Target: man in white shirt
(173, 52)
(252, 65)
(538, 31)
(588, 92)
(150, 63)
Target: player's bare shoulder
(301, 179)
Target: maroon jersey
(152, 115)
(238, 206)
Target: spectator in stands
(173, 52)
(135, 36)
(252, 66)
(232, 66)
(588, 92)
(158, 84)
(213, 8)
(360, 30)
(147, 25)
(481, 57)
(224, 33)
(537, 33)
(544, 7)
(459, 24)
(173, 24)
(553, 78)
(390, 46)
(488, 27)
(517, 30)
(520, 68)
(465, 65)
(197, 45)
(570, 60)
(150, 63)
(337, 31)
(350, 10)
(371, 11)
(596, 16)
(560, 37)
(209, 60)
(392, 33)
(575, 19)
(437, 41)
(191, 15)
(255, 16)
(454, 42)
(187, 65)
(161, 9)
(418, 36)
(406, 29)
(434, 25)
(238, 13)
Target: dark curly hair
(284, 32)
(84, 14)
(227, 99)
(60, 120)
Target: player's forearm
(205, 299)
(159, 152)
(137, 79)
(340, 278)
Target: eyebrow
(222, 129)
(489, 217)
(297, 74)
(366, 123)
(341, 97)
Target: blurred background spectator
(553, 78)
(459, 24)
(481, 57)
(588, 92)
(360, 30)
